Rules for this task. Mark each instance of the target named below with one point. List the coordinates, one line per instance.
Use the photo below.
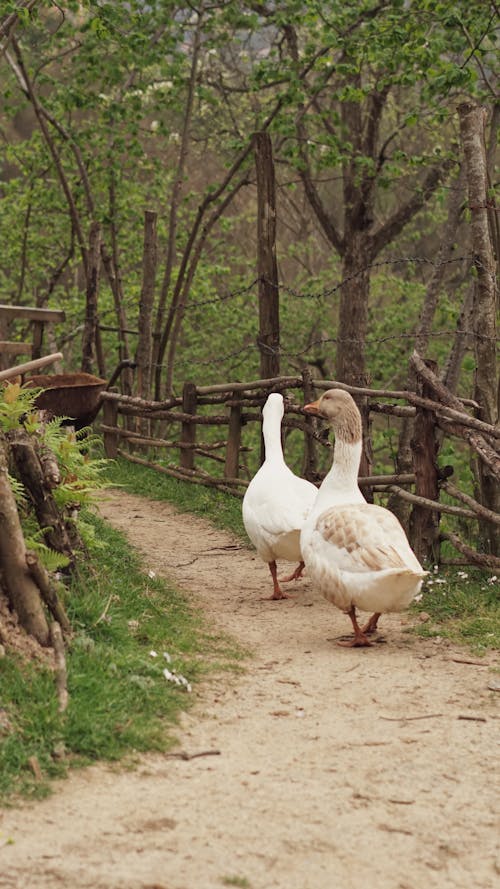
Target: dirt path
(338, 768)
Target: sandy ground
(337, 768)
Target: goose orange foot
(278, 592)
(371, 625)
(295, 575)
(360, 639)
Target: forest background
(128, 170)
(128, 173)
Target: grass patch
(120, 702)
(463, 606)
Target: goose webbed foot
(295, 575)
(360, 639)
(371, 625)
(278, 593)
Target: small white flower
(151, 573)
(167, 657)
(153, 654)
(440, 580)
(463, 575)
(168, 675)
(418, 598)
(492, 579)
(153, 126)
(436, 569)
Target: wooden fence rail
(177, 424)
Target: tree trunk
(269, 329)
(32, 476)
(352, 327)
(472, 122)
(90, 326)
(21, 589)
(145, 343)
(424, 522)
(404, 457)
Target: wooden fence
(133, 426)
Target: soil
(318, 767)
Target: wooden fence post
(232, 464)
(269, 323)
(424, 522)
(310, 465)
(145, 343)
(188, 429)
(110, 418)
(91, 314)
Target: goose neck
(271, 432)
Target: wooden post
(110, 418)
(91, 319)
(145, 342)
(232, 464)
(424, 522)
(36, 351)
(188, 429)
(269, 325)
(310, 466)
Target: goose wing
(365, 537)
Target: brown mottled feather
(371, 535)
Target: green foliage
(464, 606)
(16, 404)
(119, 699)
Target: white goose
(276, 501)
(356, 552)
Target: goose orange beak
(313, 407)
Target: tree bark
(269, 322)
(404, 458)
(424, 522)
(21, 589)
(145, 342)
(33, 478)
(472, 124)
(90, 326)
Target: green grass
(120, 703)
(463, 606)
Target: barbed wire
(328, 291)
(243, 351)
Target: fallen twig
(60, 660)
(473, 718)
(411, 718)
(460, 660)
(183, 755)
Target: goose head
(274, 406)
(341, 412)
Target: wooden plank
(188, 428)
(49, 315)
(37, 339)
(30, 365)
(231, 466)
(10, 348)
